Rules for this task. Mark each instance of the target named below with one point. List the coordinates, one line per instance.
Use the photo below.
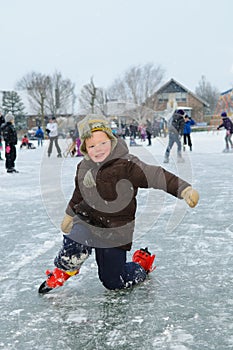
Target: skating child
(101, 211)
(228, 125)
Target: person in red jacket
(101, 212)
(25, 143)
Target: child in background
(228, 125)
(101, 212)
(187, 131)
(25, 143)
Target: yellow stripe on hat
(101, 129)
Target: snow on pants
(72, 255)
(114, 272)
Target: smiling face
(98, 146)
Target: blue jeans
(114, 272)
(173, 138)
(40, 141)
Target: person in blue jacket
(187, 131)
(40, 136)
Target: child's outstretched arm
(143, 175)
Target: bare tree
(137, 83)
(208, 93)
(36, 86)
(48, 94)
(92, 99)
(61, 96)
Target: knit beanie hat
(180, 112)
(90, 124)
(9, 117)
(224, 115)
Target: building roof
(226, 92)
(173, 86)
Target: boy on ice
(101, 213)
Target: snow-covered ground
(186, 303)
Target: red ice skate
(144, 258)
(56, 278)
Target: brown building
(225, 103)
(174, 94)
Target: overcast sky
(103, 38)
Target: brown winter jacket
(108, 201)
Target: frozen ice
(186, 303)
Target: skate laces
(144, 258)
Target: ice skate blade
(44, 289)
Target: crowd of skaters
(178, 128)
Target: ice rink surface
(186, 303)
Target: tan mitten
(191, 196)
(67, 223)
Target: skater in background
(148, 132)
(101, 211)
(175, 132)
(162, 127)
(2, 121)
(25, 143)
(187, 131)
(133, 130)
(228, 125)
(1, 148)
(73, 135)
(10, 138)
(142, 132)
(78, 144)
(52, 132)
(40, 136)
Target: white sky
(103, 38)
